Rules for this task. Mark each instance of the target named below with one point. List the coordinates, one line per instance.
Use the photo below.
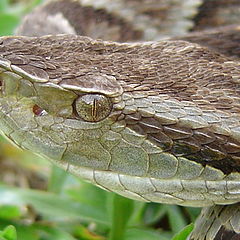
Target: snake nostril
(38, 111)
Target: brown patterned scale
(154, 121)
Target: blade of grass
(57, 179)
(176, 218)
(51, 205)
(122, 209)
(3, 5)
(9, 233)
(153, 213)
(183, 234)
(8, 23)
(144, 234)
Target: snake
(116, 94)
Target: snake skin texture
(165, 122)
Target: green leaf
(144, 234)
(9, 212)
(8, 23)
(50, 233)
(137, 214)
(183, 234)
(88, 194)
(51, 205)
(25, 231)
(84, 234)
(193, 212)
(122, 209)
(57, 179)
(176, 219)
(9, 233)
(3, 5)
(92, 197)
(154, 212)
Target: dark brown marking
(211, 14)
(176, 132)
(201, 145)
(87, 21)
(224, 40)
(161, 140)
(225, 234)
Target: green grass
(11, 14)
(41, 202)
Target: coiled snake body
(153, 121)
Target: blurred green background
(39, 201)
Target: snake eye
(93, 107)
(38, 111)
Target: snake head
(152, 121)
(49, 112)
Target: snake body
(153, 121)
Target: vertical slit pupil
(93, 107)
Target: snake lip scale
(153, 121)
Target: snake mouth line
(174, 191)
